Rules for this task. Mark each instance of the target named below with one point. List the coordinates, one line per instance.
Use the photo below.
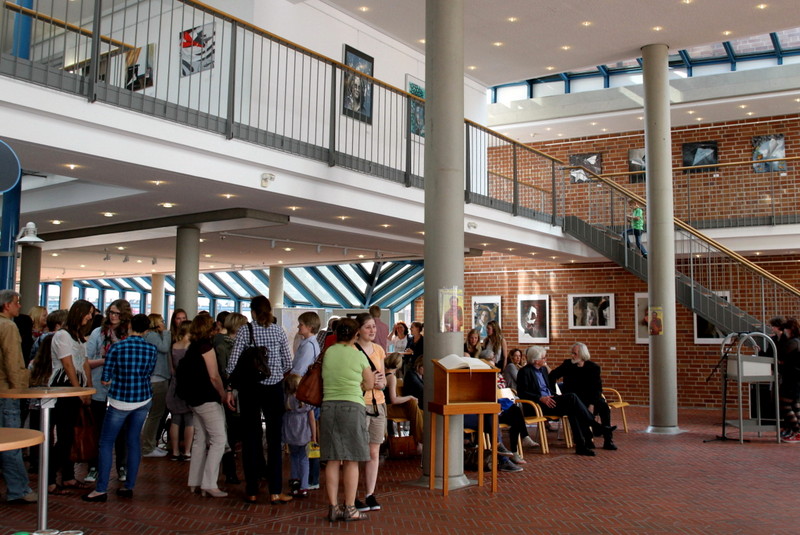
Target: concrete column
(276, 279)
(444, 200)
(157, 295)
(661, 239)
(30, 267)
(65, 299)
(187, 269)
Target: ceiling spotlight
(126, 259)
(56, 221)
(109, 214)
(167, 204)
(272, 244)
(319, 249)
(107, 257)
(344, 251)
(154, 261)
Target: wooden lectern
(463, 391)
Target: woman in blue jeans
(127, 370)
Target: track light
(107, 257)
(154, 261)
(126, 259)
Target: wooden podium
(463, 391)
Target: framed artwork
(702, 153)
(416, 109)
(706, 332)
(485, 308)
(139, 71)
(356, 89)
(640, 307)
(593, 161)
(533, 315)
(591, 311)
(637, 164)
(197, 49)
(768, 147)
(451, 310)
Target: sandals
(350, 513)
(335, 512)
(56, 490)
(77, 485)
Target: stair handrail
(744, 262)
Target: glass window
(228, 305)
(255, 282)
(143, 282)
(354, 277)
(211, 286)
(109, 296)
(93, 296)
(135, 299)
(104, 283)
(204, 303)
(233, 284)
(508, 94)
(53, 297)
(123, 283)
(315, 287)
(293, 293)
(346, 293)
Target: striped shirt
(274, 339)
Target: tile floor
(653, 484)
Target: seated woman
(473, 347)
(515, 362)
(402, 406)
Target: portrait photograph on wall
(451, 310)
(637, 164)
(357, 90)
(485, 308)
(706, 332)
(769, 147)
(593, 161)
(591, 311)
(702, 153)
(533, 313)
(197, 49)
(642, 317)
(416, 109)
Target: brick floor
(653, 484)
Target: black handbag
(252, 366)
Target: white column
(661, 239)
(276, 279)
(65, 299)
(444, 200)
(187, 269)
(157, 295)
(30, 267)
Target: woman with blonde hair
(159, 336)
(38, 315)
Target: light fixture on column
(28, 234)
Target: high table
(12, 438)
(48, 395)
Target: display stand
(463, 391)
(743, 368)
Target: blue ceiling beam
(315, 274)
(302, 288)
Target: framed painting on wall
(697, 154)
(485, 308)
(197, 49)
(416, 109)
(637, 164)
(769, 147)
(591, 311)
(533, 315)
(593, 161)
(357, 89)
(642, 317)
(706, 332)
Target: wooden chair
(539, 420)
(617, 403)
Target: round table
(48, 395)
(12, 438)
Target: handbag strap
(374, 369)
(250, 330)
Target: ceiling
(81, 196)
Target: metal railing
(717, 283)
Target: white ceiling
(531, 44)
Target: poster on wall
(533, 313)
(416, 109)
(706, 332)
(357, 90)
(485, 308)
(451, 310)
(642, 317)
(770, 147)
(591, 311)
(637, 164)
(139, 74)
(698, 154)
(197, 49)
(593, 161)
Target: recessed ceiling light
(212, 266)
(109, 214)
(686, 1)
(484, 245)
(342, 217)
(386, 225)
(293, 208)
(797, 100)
(207, 255)
(761, 6)
(53, 254)
(421, 232)
(288, 249)
(120, 248)
(691, 112)
(498, 43)
(593, 123)
(548, 129)
(604, 129)
(83, 265)
(166, 204)
(139, 261)
(157, 182)
(641, 117)
(698, 119)
(361, 256)
(553, 257)
(550, 68)
(280, 261)
(56, 221)
(509, 249)
(202, 240)
(228, 195)
(586, 23)
(512, 19)
(560, 135)
(472, 67)
(72, 166)
(657, 28)
(532, 254)
(727, 33)
(750, 113)
(363, 9)
(566, 47)
(743, 106)
(422, 41)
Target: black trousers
(580, 419)
(253, 402)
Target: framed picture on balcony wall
(770, 147)
(593, 161)
(416, 109)
(591, 311)
(701, 153)
(485, 308)
(198, 49)
(706, 332)
(356, 89)
(533, 315)
(642, 317)
(637, 165)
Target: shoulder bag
(309, 390)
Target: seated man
(533, 384)
(582, 378)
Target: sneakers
(516, 459)
(370, 505)
(31, 497)
(502, 451)
(794, 439)
(506, 465)
(122, 474)
(157, 452)
(528, 442)
(92, 475)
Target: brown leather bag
(310, 388)
(84, 447)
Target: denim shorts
(343, 432)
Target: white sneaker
(92, 475)
(528, 442)
(122, 474)
(158, 452)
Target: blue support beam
(776, 44)
(315, 274)
(606, 76)
(337, 272)
(731, 54)
(302, 288)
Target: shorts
(342, 432)
(185, 418)
(376, 425)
